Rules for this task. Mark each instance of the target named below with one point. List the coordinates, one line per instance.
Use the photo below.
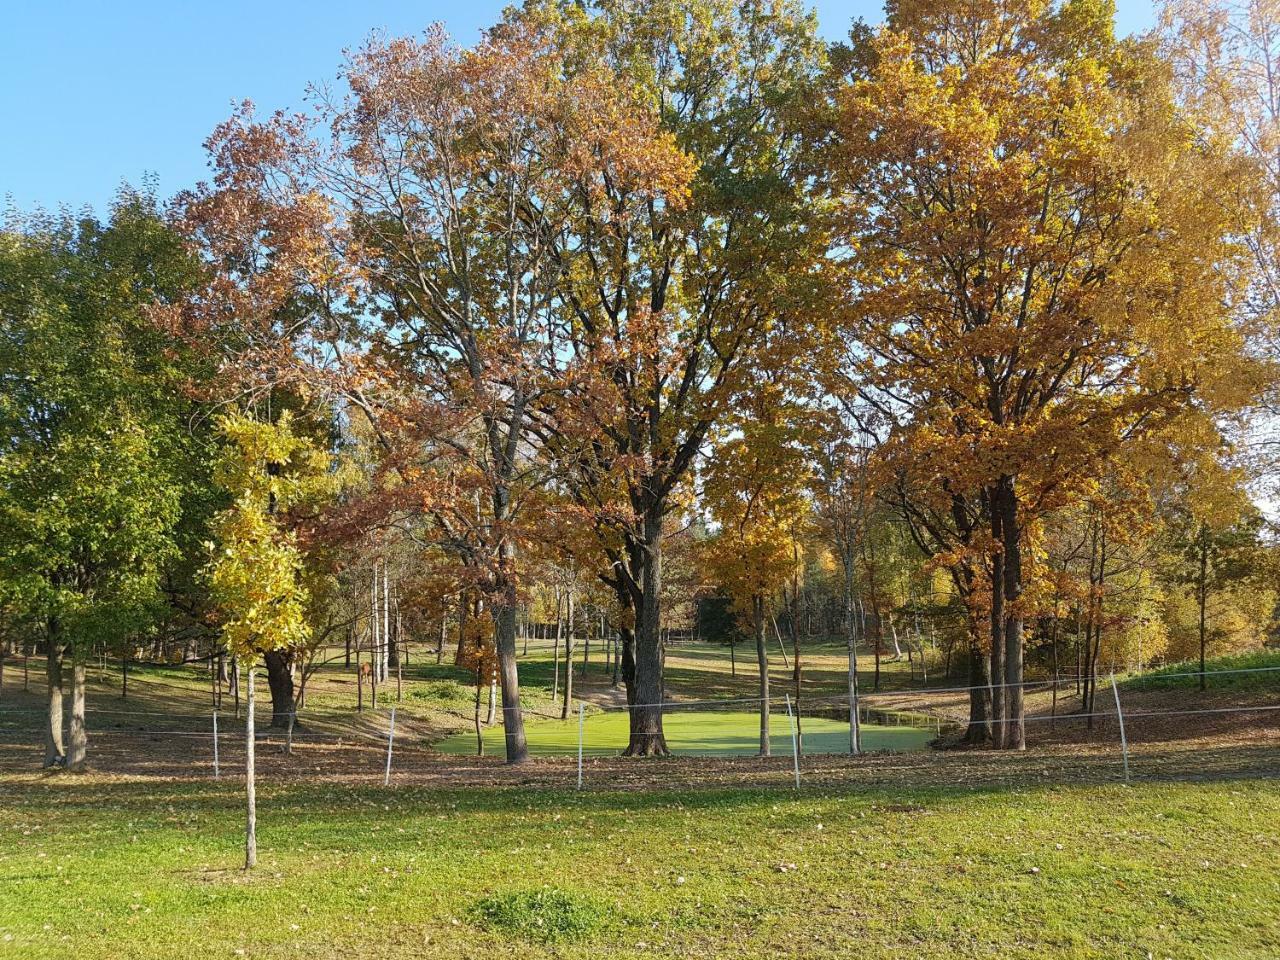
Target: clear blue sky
(95, 93)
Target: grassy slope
(96, 869)
(1257, 670)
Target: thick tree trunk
(647, 739)
(999, 706)
(79, 742)
(280, 680)
(463, 603)
(979, 730)
(54, 751)
(624, 663)
(1011, 529)
(504, 622)
(762, 662)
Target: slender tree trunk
(555, 650)
(479, 730)
(79, 742)
(390, 623)
(568, 658)
(762, 661)
(797, 673)
(647, 737)
(54, 751)
(250, 779)
(851, 638)
(1202, 593)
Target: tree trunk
(54, 751)
(797, 672)
(479, 731)
(79, 743)
(1202, 591)
(999, 706)
(555, 651)
(504, 623)
(1011, 529)
(647, 739)
(851, 637)
(250, 785)
(568, 658)
(762, 661)
(280, 680)
(462, 627)
(979, 730)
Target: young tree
(256, 570)
(755, 489)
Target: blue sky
(95, 93)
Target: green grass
(147, 870)
(701, 733)
(1177, 675)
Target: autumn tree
(666, 303)
(756, 492)
(1045, 264)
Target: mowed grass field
(99, 870)
(142, 863)
(695, 733)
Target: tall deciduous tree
(404, 249)
(667, 311)
(1046, 262)
(92, 471)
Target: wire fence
(1126, 733)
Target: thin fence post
(795, 746)
(582, 718)
(216, 772)
(391, 736)
(288, 743)
(1124, 742)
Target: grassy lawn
(91, 868)
(1258, 670)
(701, 733)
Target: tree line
(960, 329)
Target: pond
(695, 733)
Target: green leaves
(93, 467)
